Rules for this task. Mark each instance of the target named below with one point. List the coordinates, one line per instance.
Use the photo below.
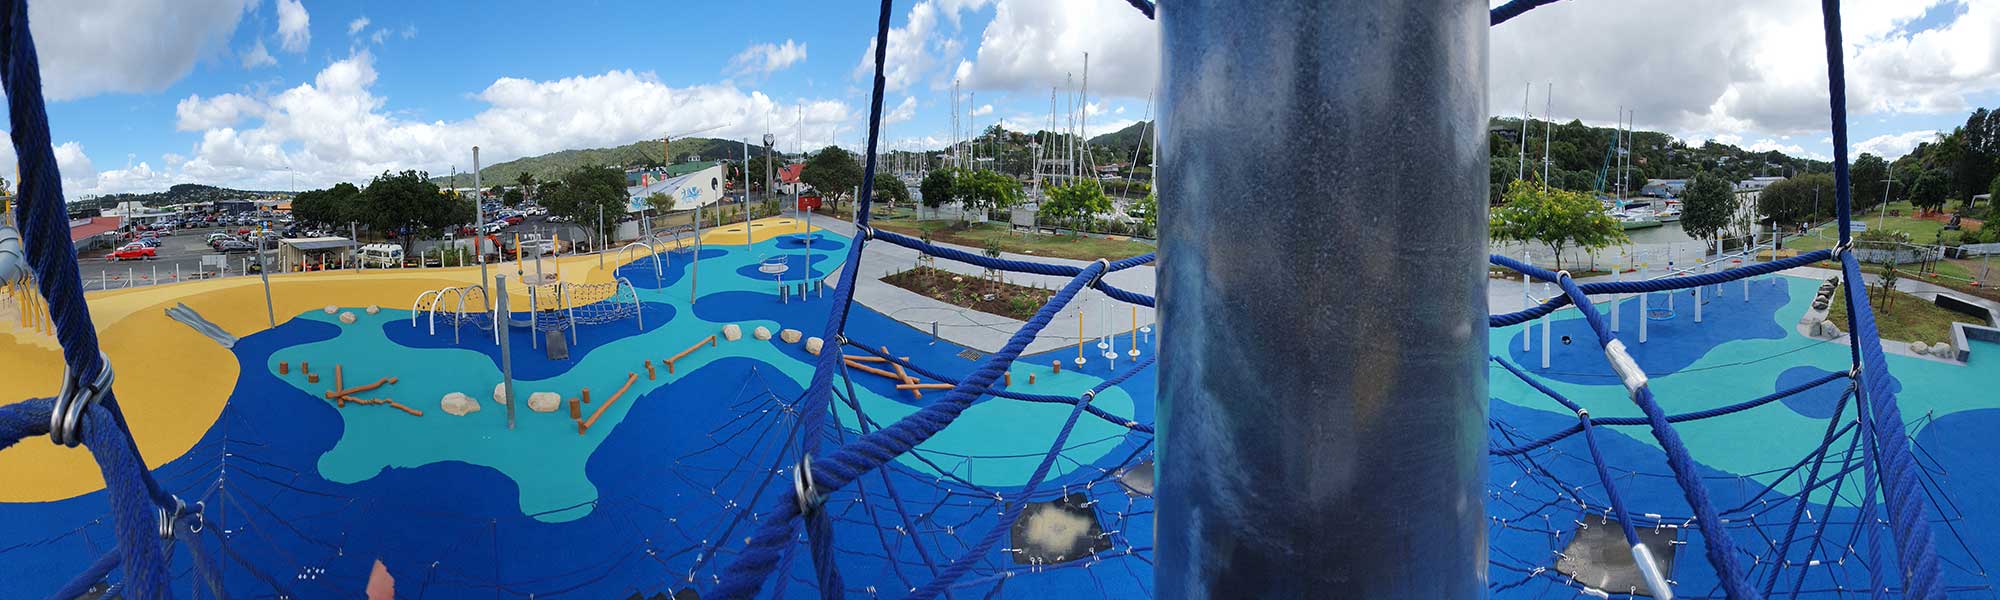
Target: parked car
(132, 251)
(234, 245)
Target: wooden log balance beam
(356, 390)
(710, 341)
(584, 425)
(925, 386)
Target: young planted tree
(1889, 279)
(1556, 218)
(1707, 206)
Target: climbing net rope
(839, 472)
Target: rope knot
(76, 398)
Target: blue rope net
(782, 479)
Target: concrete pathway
(984, 331)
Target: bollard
(1057, 365)
(284, 369)
(934, 333)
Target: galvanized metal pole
(501, 318)
(1359, 473)
(479, 221)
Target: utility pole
(1548, 132)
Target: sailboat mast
(1521, 166)
(1548, 132)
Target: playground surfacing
(661, 492)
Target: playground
(718, 415)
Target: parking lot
(179, 258)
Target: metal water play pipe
(1345, 456)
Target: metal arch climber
(624, 256)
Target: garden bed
(972, 291)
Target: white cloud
(409, 31)
(903, 112)
(195, 114)
(258, 57)
(294, 25)
(919, 46)
(764, 59)
(355, 26)
(983, 110)
(1748, 68)
(90, 47)
(337, 129)
(1037, 44)
(1893, 145)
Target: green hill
(643, 153)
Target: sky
(298, 94)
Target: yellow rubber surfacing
(173, 382)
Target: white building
(700, 188)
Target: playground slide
(187, 316)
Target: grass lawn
(1910, 319)
(1059, 246)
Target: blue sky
(252, 93)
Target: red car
(132, 251)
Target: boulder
(500, 393)
(459, 405)
(813, 345)
(347, 318)
(732, 332)
(1920, 348)
(374, 309)
(790, 336)
(330, 309)
(544, 401)
(1944, 350)
(761, 333)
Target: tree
(986, 190)
(1979, 154)
(496, 191)
(1074, 204)
(328, 206)
(1888, 284)
(1797, 199)
(832, 171)
(512, 197)
(408, 203)
(1930, 190)
(660, 202)
(583, 192)
(1707, 206)
(1992, 203)
(1149, 210)
(1865, 180)
(1558, 219)
(526, 181)
(938, 187)
(891, 189)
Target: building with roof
(312, 254)
(689, 189)
(788, 179)
(94, 232)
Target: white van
(381, 255)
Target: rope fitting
(804, 488)
(867, 233)
(76, 398)
(167, 518)
(1101, 273)
(1628, 369)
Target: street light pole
(479, 223)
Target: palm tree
(527, 182)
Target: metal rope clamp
(1100, 274)
(804, 488)
(866, 232)
(66, 420)
(167, 518)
